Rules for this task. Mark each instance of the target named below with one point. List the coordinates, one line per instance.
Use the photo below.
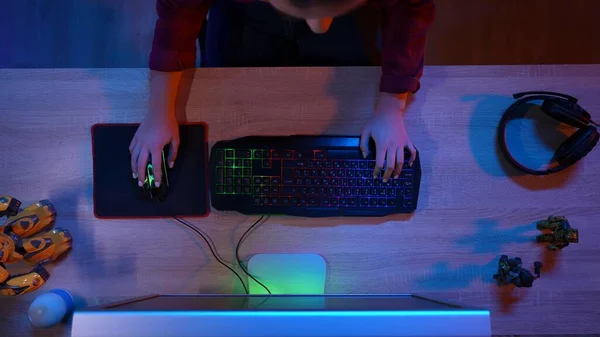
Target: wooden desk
(470, 210)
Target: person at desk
(405, 24)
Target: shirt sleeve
(175, 33)
(405, 27)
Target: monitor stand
(287, 274)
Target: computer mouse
(150, 190)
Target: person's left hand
(387, 129)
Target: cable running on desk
(190, 226)
(237, 249)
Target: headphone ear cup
(577, 146)
(566, 112)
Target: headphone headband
(522, 98)
(546, 94)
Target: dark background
(118, 33)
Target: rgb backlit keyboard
(306, 176)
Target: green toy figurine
(558, 232)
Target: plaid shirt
(405, 27)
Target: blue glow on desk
(292, 313)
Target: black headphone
(563, 108)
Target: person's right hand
(153, 134)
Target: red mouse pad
(117, 194)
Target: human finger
(142, 162)
(390, 164)
(134, 159)
(133, 144)
(413, 154)
(173, 151)
(399, 162)
(156, 158)
(380, 150)
(364, 142)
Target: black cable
(185, 223)
(237, 253)
(596, 124)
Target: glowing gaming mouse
(151, 191)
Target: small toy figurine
(558, 232)
(510, 271)
(26, 236)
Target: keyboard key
(220, 176)
(243, 154)
(291, 190)
(229, 154)
(300, 155)
(220, 157)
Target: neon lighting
(270, 313)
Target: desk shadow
(489, 237)
(443, 276)
(484, 144)
(548, 258)
(507, 297)
(91, 264)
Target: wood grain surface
(472, 206)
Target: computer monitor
(280, 316)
